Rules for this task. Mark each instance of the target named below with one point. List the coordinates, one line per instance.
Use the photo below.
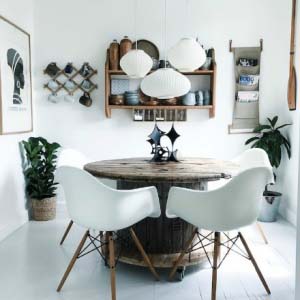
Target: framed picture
(15, 79)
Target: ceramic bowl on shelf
(189, 99)
(171, 101)
(116, 99)
(132, 97)
(151, 102)
(132, 100)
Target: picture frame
(16, 114)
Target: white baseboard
(289, 215)
(8, 229)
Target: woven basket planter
(44, 210)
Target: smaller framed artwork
(15, 79)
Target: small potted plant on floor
(40, 165)
(270, 139)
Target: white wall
(81, 31)
(13, 212)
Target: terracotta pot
(125, 46)
(114, 55)
(44, 210)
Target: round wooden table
(162, 238)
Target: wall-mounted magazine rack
(247, 62)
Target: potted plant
(270, 139)
(40, 165)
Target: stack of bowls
(132, 98)
(116, 99)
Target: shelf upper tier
(197, 72)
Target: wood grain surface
(141, 169)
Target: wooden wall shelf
(159, 107)
(212, 73)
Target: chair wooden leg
(262, 233)
(179, 259)
(72, 262)
(66, 232)
(112, 265)
(259, 273)
(143, 253)
(215, 266)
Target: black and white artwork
(15, 79)
(15, 61)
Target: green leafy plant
(40, 167)
(270, 139)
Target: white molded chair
(73, 158)
(248, 159)
(98, 207)
(228, 208)
(254, 158)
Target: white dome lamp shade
(187, 55)
(165, 83)
(136, 63)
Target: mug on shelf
(52, 69)
(69, 85)
(69, 98)
(52, 85)
(85, 99)
(207, 97)
(53, 98)
(189, 99)
(86, 84)
(69, 68)
(199, 98)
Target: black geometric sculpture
(161, 153)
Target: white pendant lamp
(187, 55)
(136, 63)
(165, 83)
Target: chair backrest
(252, 158)
(230, 207)
(97, 206)
(71, 157)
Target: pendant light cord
(135, 23)
(188, 23)
(165, 34)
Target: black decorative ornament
(160, 153)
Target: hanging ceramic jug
(125, 46)
(114, 55)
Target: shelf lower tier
(210, 108)
(159, 107)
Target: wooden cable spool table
(162, 238)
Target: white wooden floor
(32, 263)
